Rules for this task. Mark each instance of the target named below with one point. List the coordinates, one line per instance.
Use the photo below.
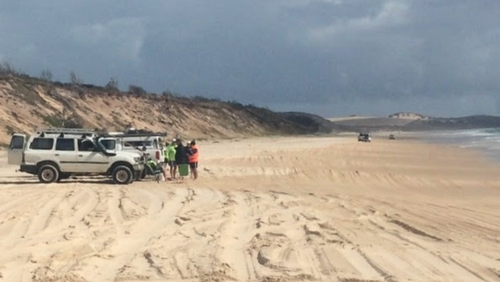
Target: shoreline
(462, 139)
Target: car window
(65, 144)
(17, 142)
(42, 143)
(109, 144)
(137, 144)
(86, 146)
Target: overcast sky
(329, 57)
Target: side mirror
(144, 149)
(111, 152)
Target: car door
(66, 153)
(16, 149)
(89, 158)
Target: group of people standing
(176, 155)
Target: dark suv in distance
(364, 137)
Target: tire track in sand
(192, 236)
(45, 230)
(131, 238)
(237, 231)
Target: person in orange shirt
(193, 159)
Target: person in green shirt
(165, 161)
(152, 168)
(170, 158)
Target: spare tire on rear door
(122, 175)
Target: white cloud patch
(304, 3)
(28, 50)
(119, 37)
(392, 13)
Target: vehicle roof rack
(143, 131)
(136, 134)
(65, 131)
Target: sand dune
(266, 209)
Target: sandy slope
(269, 209)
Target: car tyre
(122, 175)
(48, 174)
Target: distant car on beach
(392, 137)
(364, 137)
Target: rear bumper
(33, 169)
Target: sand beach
(265, 209)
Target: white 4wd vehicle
(141, 140)
(364, 137)
(55, 154)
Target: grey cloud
(327, 57)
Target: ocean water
(485, 140)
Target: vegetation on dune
(45, 102)
(31, 102)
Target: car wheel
(122, 175)
(48, 174)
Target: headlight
(137, 159)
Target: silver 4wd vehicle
(364, 137)
(55, 154)
(148, 142)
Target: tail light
(158, 155)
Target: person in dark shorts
(193, 159)
(181, 155)
(170, 158)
